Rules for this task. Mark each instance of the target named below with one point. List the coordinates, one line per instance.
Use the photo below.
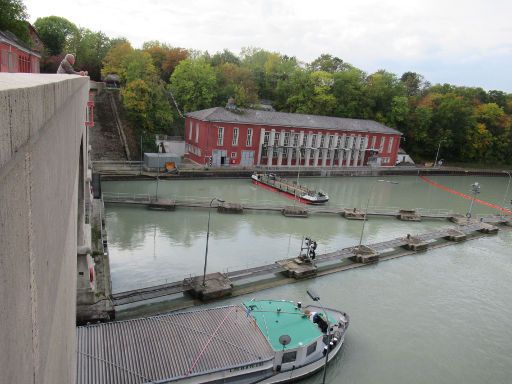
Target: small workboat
(259, 341)
(290, 188)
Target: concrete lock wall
(42, 132)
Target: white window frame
(390, 144)
(220, 136)
(249, 137)
(374, 139)
(286, 139)
(197, 132)
(381, 146)
(235, 136)
(191, 126)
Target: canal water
(439, 317)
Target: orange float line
(463, 195)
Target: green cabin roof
(276, 318)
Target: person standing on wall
(66, 66)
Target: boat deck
(170, 347)
(292, 321)
(285, 185)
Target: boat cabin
(299, 336)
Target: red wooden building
(229, 136)
(16, 56)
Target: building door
(220, 158)
(247, 159)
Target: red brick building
(16, 56)
(222, 137)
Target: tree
(381, 88)
(54, 32)
(413, 83)
(13, 16)
(90, 48)
(138, 65)
(113, 61)
(172, 58)
(237, 82)
(193, 84)
(328, 63)
(349, 91)
(492, 116)
(399, 112)
(226, 56)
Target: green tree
(113, 61)
(13, 16)
(381, 88)
(413, 83)
(226, 56)
(349, 91)
(138, 65)
(328, 63)
(237, 82)
(54, 32)
(193, 84)
(399, 112)
(492, 116)
(90, 48)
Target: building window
(275, 152)
(322, 141)
(313, 141)
(233, 155)
(381, 146)
(235, 137)
(285, 153)
(311, 349)
(249, 137)
(276, 139)
(266, 138)
(347, 138)
(220, 138)
(362, 143)
(286, 139)
(295, 139)
(190, 131)
(289, 357)
(305, 140)
(338, 144)
(374, 138)
(328, 155)
(331, 140)
(197, 132)
(390, 144)
(264, 151)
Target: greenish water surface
(438, 317)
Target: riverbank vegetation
(160, 83)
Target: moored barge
(290, 188)
(260, 341)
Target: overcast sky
(462, 42)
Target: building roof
(169, 346)
(257, 117)
(285, 318)
(10, 38)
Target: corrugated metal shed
(169, 346)
(158, 160)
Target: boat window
(311, 349)
(289, 357)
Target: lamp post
(368, 203)
(314, 296)
(437, 154)
(207, 237)
(475, 189)
(506, 192)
